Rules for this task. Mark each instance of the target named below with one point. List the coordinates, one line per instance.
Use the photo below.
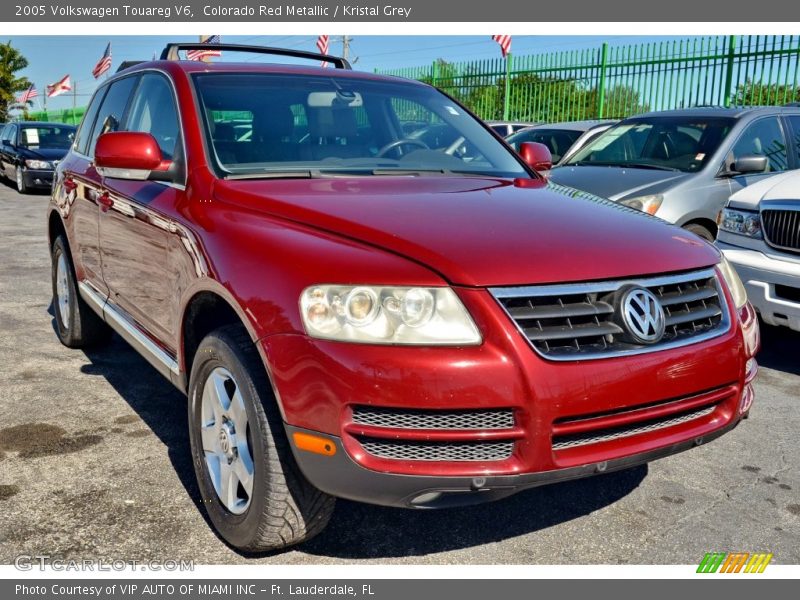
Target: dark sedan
(29, 152)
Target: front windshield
(276, 125)
(47, 136)
(668, 143)
(558, 141)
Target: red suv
(355, 312)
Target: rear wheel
(698, 229)
(77, 325)
(255, 495)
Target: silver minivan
(683, 165)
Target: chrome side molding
(131, 333)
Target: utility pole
(346, 39)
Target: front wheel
(701, 231)
(22, 187)
(255, 495)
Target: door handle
(70, 185)
(105, 201)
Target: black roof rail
(125, 64)
(171, 50)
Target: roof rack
(170, 52)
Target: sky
(52, 57)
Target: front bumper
(38, 178)
(760, 274)
(340, 476)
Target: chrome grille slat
(578, 321)
(573, 441)
(438, 451)
(395, 418)
(781, 225)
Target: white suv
(759, 232)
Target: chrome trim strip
(610, 286)
(163, 362)
(785, 205)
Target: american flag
(59, 87)
(505, 43)
(104, 64)
(205, 53)
(322, 45)
(27, 95)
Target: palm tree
(11, 61)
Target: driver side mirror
(750, 163)
(537, 156)
(131, 155)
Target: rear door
(135, 226)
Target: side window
(112, 111)
(8, 133)
(794, 121)
(87, 123)
(153, 111)
(764, 138)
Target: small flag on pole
(205, 53)
(27, 95)
(104, 64)
(59, 87)
(505, 43)
(322, 45)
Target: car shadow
(779, 348)
(380, 531)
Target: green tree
(751, 93)
(11, 61)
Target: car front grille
(438, 451)
(433, 419)
(782, 228)
(583, 320)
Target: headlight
(387, 315)
(648, 204)
(733, 282)
(38, 164)
(742, 222)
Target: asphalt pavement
(94, 463)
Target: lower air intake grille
(431, 419)
(607, 435)
(438, 451)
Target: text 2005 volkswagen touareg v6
(366, 294)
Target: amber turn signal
(314, 443)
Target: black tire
(284, 508)
(701, 231)
(22, 187)
(81, 328)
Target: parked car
(29, 151)
(683, 165)
(759, 233)
(563, 139)
(506, 128)
(354, 314)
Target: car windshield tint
(275, 125)
(557, 140)
(669, 143)
(59, 138)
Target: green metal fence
(615, 82)
(71, 116)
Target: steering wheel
(399, 144)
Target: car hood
(616, 183)
(784, 187)
(479, 231)
(43, 153)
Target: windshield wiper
(301, 174)
(622, 165)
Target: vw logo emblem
(643, 315)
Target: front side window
(558, 141)
(84, 134)
(57, 137)
(112, 111)
(764, 138)
(153, 111)
(668, 143)
(315, 125)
